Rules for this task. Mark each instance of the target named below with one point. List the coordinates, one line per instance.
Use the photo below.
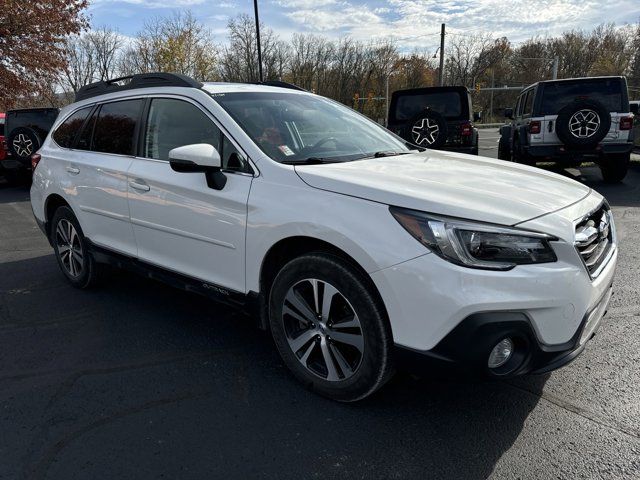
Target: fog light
(501, 353)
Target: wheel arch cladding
(52, 203)
(293, 247)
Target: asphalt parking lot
(136, 380)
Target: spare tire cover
(23, 142)
(427, 129)
(583, 123)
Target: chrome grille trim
(594, 239)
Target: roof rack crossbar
(139, 80)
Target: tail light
(626, 123)
(35, 159)
(466, 130)
(535, 127)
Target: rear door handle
(140, 186)
(73, 170)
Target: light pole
(556, 61)
(255, 8)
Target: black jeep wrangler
(25, 130)
(569, 122)
(435, 117)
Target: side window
(519, 106)
(528, 103)
(115, 127)
(232, 159)
(67, 131)
(174, 123)
(84, 139)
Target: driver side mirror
(477, 116)
(634, 108)
(199, 157)
(508, 113)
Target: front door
(179, 222)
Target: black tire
(88, 275)
(428, 129)
(503, 150)
(23, 142)
(583, 123)
(374, 366)
(615, 167)
(518, 155)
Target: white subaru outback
(355, 250)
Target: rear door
(179, 222)
(609, 91)
(94, 172)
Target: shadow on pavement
(139, 377)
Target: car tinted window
(67, 131)
(174, 123)
(2, 126)
(448, 104)
(528, 103)
(115, 127)
(232, 158)
(607, 91)
(84, 139)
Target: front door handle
(140, 186)
(73, 170)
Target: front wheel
(330, 328)
(614, 167)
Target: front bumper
(466, 348)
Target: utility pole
(441, 71)
(255, 8)
(555, 67)
(493, 72)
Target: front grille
(594, 239)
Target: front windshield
(293, 127)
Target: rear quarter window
(67, 131)
(606, 91)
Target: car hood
(451, 184)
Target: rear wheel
(614, 167)
(503, 150)
(70, 247)
(330, 328)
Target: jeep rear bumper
(555, 152)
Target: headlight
(477, 245)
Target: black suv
(25, 130)
(435, 117)
(569, 122)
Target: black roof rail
(139, 80)
(281, 84)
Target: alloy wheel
(69, 248)
(323, 330)
(584, 123)
(425, 131)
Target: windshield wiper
(308, 161)
(386, 153)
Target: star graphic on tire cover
(424, 131)
(22, 145)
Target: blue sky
(414, 23)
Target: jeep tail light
(535, 127)
(466, 130)
(35, 159)
(626, 123)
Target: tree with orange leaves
(32, 51)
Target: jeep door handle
(140, 186)
(73, 170)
